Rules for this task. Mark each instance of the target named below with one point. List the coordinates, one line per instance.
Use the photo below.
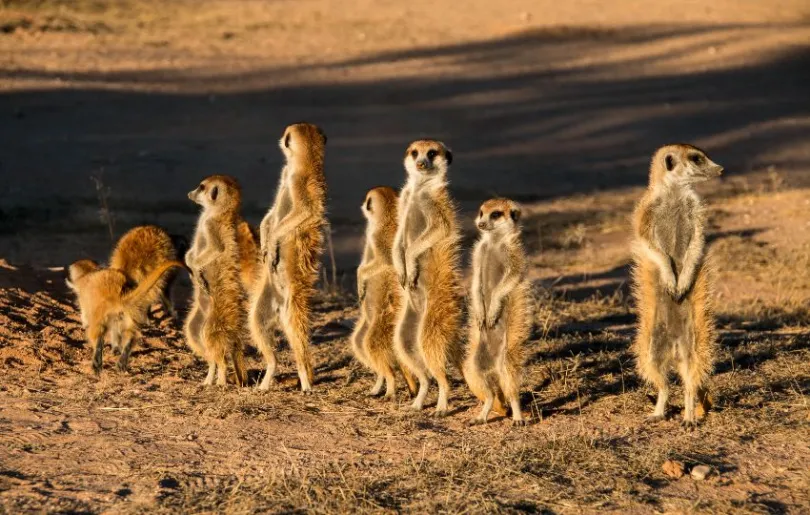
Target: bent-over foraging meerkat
(291, 242)
(379, 293)
(215, 325)
(139, 251)
(672, 283)
(500, 316)
(426, 258)
(111, 307)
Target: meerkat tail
(141, 292)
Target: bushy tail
(138, 298)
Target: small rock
(701, 472)
(673, 468)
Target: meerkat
(215, 325)
(672, 283)
(139, 251)
(111, 307)
(500, 317)
(291, 242)
(248, 242)
(379, 294)
(426, 260)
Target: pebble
(701, 472)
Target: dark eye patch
(514, 214)
(414, 154)
(215, 193)
(201, 187)
(432, 154)
(495, 215)
(481, 214)
(287, 140)
(669, 162)
(368, 204)
(696, 158)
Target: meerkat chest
(493, 267)
(283, 205)
(675, 226)
(415, 220)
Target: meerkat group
(415, 319)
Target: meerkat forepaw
(655, 417)
(520, 422)
(477, 421)
(689, 425)
(440, 413)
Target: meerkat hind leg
(406, 334)
(128, 339)
(263, 320)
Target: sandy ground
(556, 104)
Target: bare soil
(556, 104)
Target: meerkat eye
(368, 205)
(214, 192)
(432, 154)
(414, 154)
(287, 140)
(201, 187)
(696, 158)
(496, 215)
(514, 214)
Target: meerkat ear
(287, 140)
(214, 192)
(669, 162)
(514, 213)
(448, 155)
(368, 204)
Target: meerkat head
(380, 205)
(498, 216)
(303, 140)
(78, 270)
(427, 157)
(217, 193)
(682, 164)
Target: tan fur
(112, 307)
(379, 293)
(291, 236)
(248, 242)
(672, 279)
(500, 316)
(215, 325)
(426, 259)
(138, 252)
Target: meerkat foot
(122, 365)
(655, 417)
(209, 379)
(689, 425)
(266, 383)
(440, 412)
(520, 422)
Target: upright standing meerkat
(426, 259)
(672, 283)
(379, 293)
(291, 240)
(139, 251)
(215, 325)
(111, 307)
(500, 316)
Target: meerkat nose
(718, 170)
(482, 225)
(191, 195)
(423, 163)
